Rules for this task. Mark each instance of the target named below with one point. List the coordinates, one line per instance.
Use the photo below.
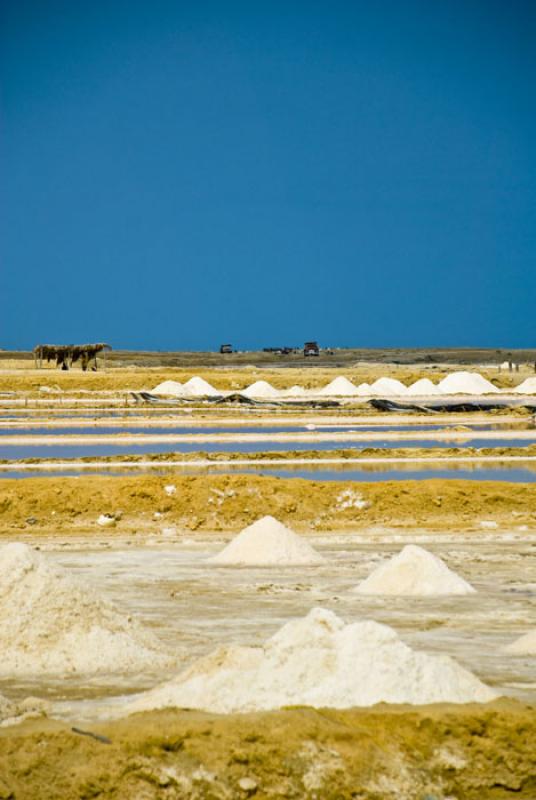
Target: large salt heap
(266, 542)
(524, 646)
(52, 624)
(527, 387)
(317, 661)
(171, 388)
(388, 387)
(414, 571)
(466, 383)
(200, 388)
(422, 388)
(260, 389)
(339, 387)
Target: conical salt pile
(317, 661)
(466, 383)
(266, 542)
(52, 624)
(524, 646)
(339, 387)
(388, 386)
(173, 388)
(527, 387)
(422, 387)
(260, 389)
(200, 388)
(414, 571)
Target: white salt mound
(524, 646)
(295, 391)
(200, 388)
(267, 542)
(388, 386)
(364, 390)
(260, 389)
(466, 383)
(422, 387)
(414, 571)
(339, 387)
(527, 387)
(317, 661)
(171, 388)
(52, 624)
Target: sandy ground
(470, 753)
(230, 502)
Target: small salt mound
(414, 571)
(318, 661)
(51, 624)
(172, 388)
(200, 388)
(527, 387)
(466, 383)
(339, 387)
(266, 542)
(524, 646)
(422, 387)
(388, 386)
(260, 389)
(295, 391)
(364, 390)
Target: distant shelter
(65, 355)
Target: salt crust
(52, 624)
(414, 571)
(524, 646)
(317, 661)
(260, 389)
(266, 542)
(466, 383)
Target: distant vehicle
(311, 349)
(226, 348)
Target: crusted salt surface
(527, 387)
(169, 388)
(414, 571)
(466, 383)
(51, 624)
(260, 389)
(200, 388)
(318, 661)
(266, 542)
(422, 387)
(524, 646)
(340, 387)
(388, 386)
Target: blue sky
(179, 174)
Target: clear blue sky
(179, 174)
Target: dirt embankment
(474, 753)
(229, 502)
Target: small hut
(65, 355)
